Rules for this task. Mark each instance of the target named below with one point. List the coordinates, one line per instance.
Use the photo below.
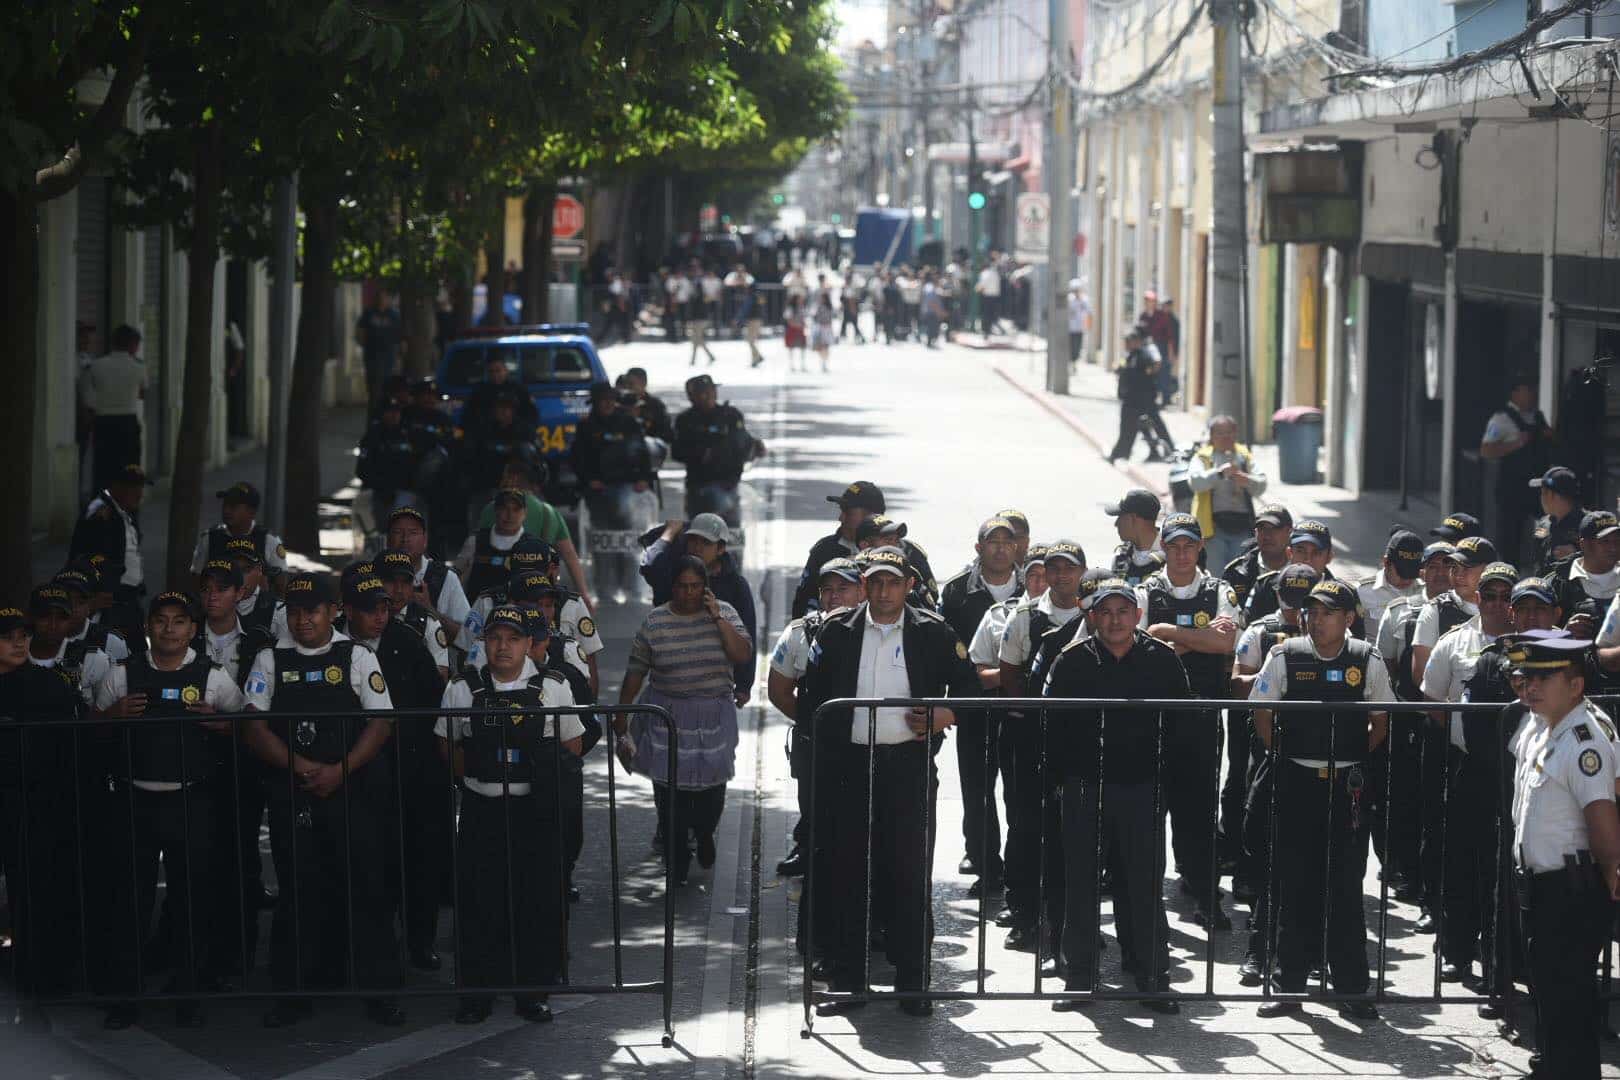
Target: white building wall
(1503, 184)
(1400, 201)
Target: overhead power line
(1149, 72)
(1495, 51)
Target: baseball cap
(1112, 586)
(1598, 523)
(1179, 525)
(407, 512)
(48, 596)
(509, 615)
(1474, 551)
(527, 586)
(90, 566)
(1311, 532)
(879, 525)
(1089, 582)
(993, 524)
(1334, 595)
(539, 625)
(1440, 549)
(710, 527)
(512, 495)
(366, 593)
(1561, 480)
(240, 492)
(1295, 582)
(1535, 588)
(847, 569)
(700, 382)
(1037, 555)
(530, 553)
(1500, 571)
(170, 599)
(1405, 550)
(12, 619)
(1456, 526)
(1276, 516)
(861, 495)
(1541, 651)
(392, 562)
(360, 568)
(133, 475)
(1139, 501)
(225, 570)
(1017, 518)
(884, 560)
(1066, 549)
(309, 590)
(74, 581)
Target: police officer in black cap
(510, 873)
(327, 806)
(1587, 583)
(714, 444)
(612, 460)
(1136, 519)
(855, 503)
(1455, 526)
(110, 527)
(1557, 532)
(1321, 797)
(1311, 543)
(880, 530)
(1272, 527)
(1520, 440)
(386, 462)
(1566, 848)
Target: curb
(1141, 478)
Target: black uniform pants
(697, 812)
(1130, 417)
(137, 829)
(1192, 773)
(1319, 869)
(978, 760)
(509, 882)
(236, 878)
(1020, 733)
(890, 821)
(1475, 890)
(1396, 777)
(1124, 826)
(332, 914)
(1433, 741)
(1567, 916)
(117, 443)
(573, 809)
(418, 856)
(827, 790)
(799, 769)
(1235, 788)
(39, 853)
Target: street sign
(567, 218)
(1034, 214)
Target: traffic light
(975, 200)
(837, 218)
(777, 198)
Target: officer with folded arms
(1322, 809)
(1566, 848)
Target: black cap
(1180, 525)
(1597, 524)
(48, 596)
(243, 547)
(1334, 595)
(995, 523)
(12, 619)
(366, 593)
(1439, 549)
(407, 512)
(1295, 582)
(699, 382)
(884, 560)
(879, 525)
(1139, 501)
(848, 569)
(1089, 582)
(1540, 651)
(90, 566)
(539, 625)
(1017, 518)
(1311, 531)
(508, 615)
(1456, 526)
(528, 586)
(1037, 555)
(239, 492)
(170, 599)
(360, 568)
(1274, 515)
(1500, 571)
(309, 590)
(1113, 586)
(76, 582)
(1560, 480)
(530, 553)
(1066, 549)
(1475, 551)
(861, 495)
(131, 476)
(1535, 588)
(1405, 550)
(393, 563)
(225, 570)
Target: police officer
(161, 804)
(1455, 607)
(838, 587)
(713, 443)
(1272, 527)
(1196, 614)
(110, 527)
(386, 461)
(527, 554)
(323, 789)
(990, 578)
(1311, 543)
(395, 569)
(1136, 519)
(1558, 531)
(482, 562)
(489, 448)
(855, 503)
(553, 651)
(1566, 847)
(415, 679)
(85, 634)
(434, 587)
(259, 608)
(1519, 439)
(510, 873)
(1321, 794)
(1474, 792)
(1108, 763)
(984, 648)
(883, 648)
(498, 386)
(238, 512)
(1028, 788)
(879, 530)
(1396, 577)
(80, 664)
(1587, 583)
(612, 461)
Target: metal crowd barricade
(99, 739)
(1047, 713)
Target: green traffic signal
(778, 199)
(837, 218)
(975, 200)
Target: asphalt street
(950, 439)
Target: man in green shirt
(542, 520)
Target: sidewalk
(341, 429)
(1360, 524)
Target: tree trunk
(19, 313)
(418, 325)
(495, 265)
(462, 277)
(197, 387)
(303, 482)
(537, 206)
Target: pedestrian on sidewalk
(821, 331)
(113, 388)
(684, 654)
(1136, 393)
(850, 301)
(1225, 480)
(989, 289)
(1079, 320)
(793, 334)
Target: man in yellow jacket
(1225, 481)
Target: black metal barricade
(1046, 713)
(97, 753)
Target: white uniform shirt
(116, 648)
(1226, 602)
(1500, 428)
(1389, 622)
(1427, 632)
(134, 571)
(985, 648)
(452, 598)
(1272, 684)
(92, 669)
(462, 563)
(1378, 594)
(221, 649)
(791, 657)
(989, 282)
(1609, 635)
(220, 692)
(573, 620)
(113, 384)
(1252, 648)
(1598, 586)
(1016, 646)
(260, 687)
(275, 552)
(1560, 769)
(1451, 665)
(882, 675)
(554, 693)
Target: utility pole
(283, 265)
(973, 213)
(1229, 367)
(1059, 180)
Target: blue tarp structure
(882, 236)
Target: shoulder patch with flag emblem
(1590, 762)
(376, 683)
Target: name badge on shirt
(1334, 675)
(289, 676)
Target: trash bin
(1299, 437)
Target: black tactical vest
(1206, 672)
(169, 753)
(262, 613)
(312, 686)
(1337, 736)
(489, 568)
(508, 744)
